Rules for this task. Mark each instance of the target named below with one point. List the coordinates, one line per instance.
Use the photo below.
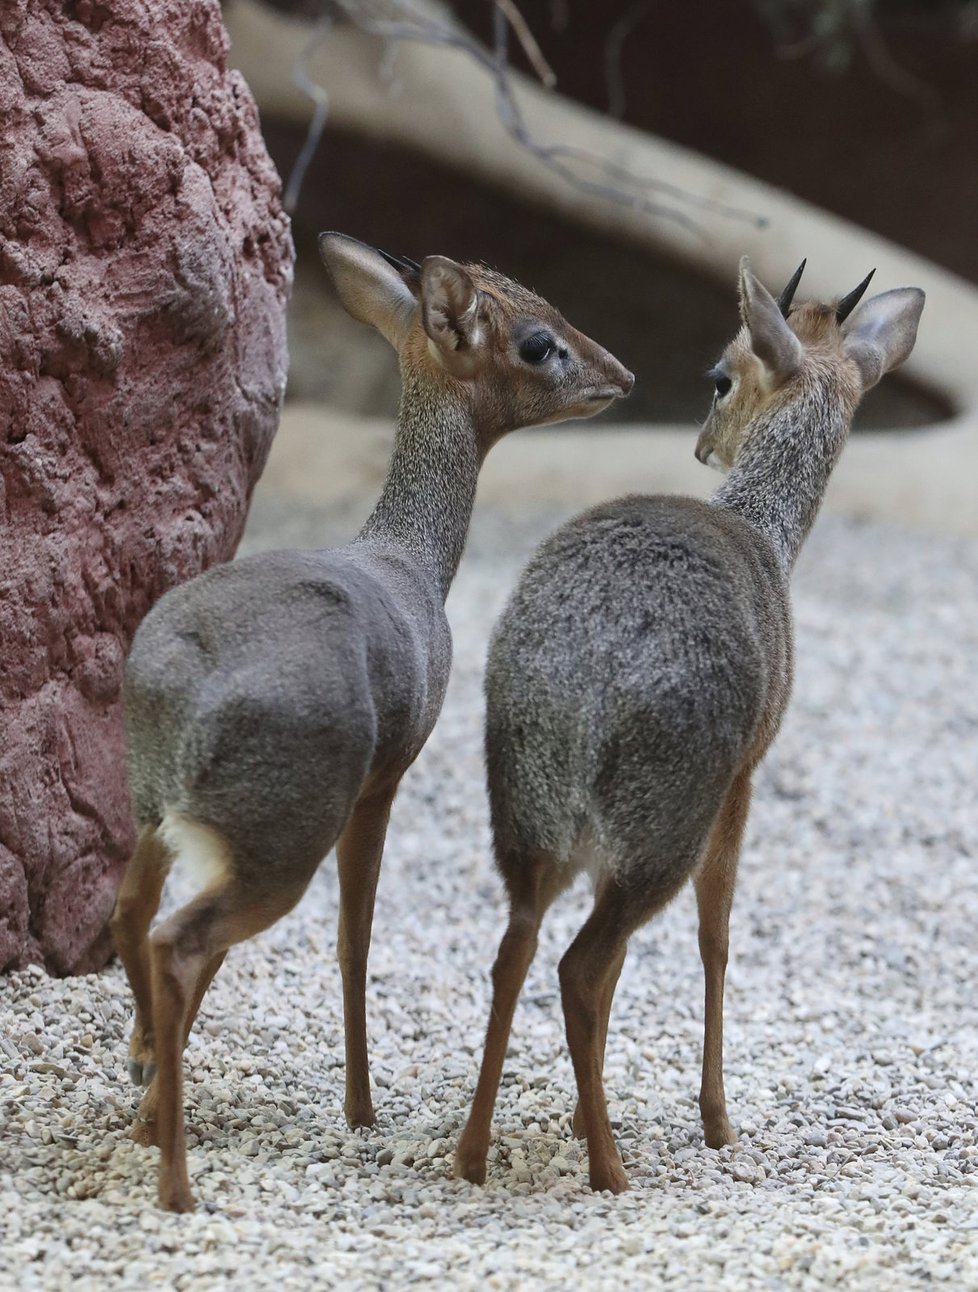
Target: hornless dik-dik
(273, 704)
(639, 673)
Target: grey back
(259, 696)
(645, 654)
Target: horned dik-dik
(639, 673)
(273, 704)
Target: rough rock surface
(144, 266)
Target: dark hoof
(469, 1166)
(177, 1198)
(145, 1133)
(361, 1118)
(719, 1136)
(610, 1180)
(141, 1071)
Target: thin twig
(559, 15)
(317, 123)
(888, 69)
(528, 43)
(613, 46)
(622, 188)
(550, 154)
(554, 155)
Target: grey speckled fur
(638, 674)
(273, 705)
(647, 646)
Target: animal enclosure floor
(851, 1047)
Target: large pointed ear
(772, 340)
(371, 288)
(882, 331)
(449, 306)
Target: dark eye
(723, 383)
(536, 348)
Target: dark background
(878, 125)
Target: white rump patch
(197, 849)
(590, 857)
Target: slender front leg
(533, 887)
(137, 903)
(715, 883)
(358, 852)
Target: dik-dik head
(802, 355)
(511, 357)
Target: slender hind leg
(144, 1129)
(184, 952)
(358, 851)
(533, 886)
(137, 903)
(606, 1003)
(588, 973)
(714, 895)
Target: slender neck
(780, 478)
(427, 499)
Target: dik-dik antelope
(639, 674)
(273, 704)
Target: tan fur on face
(730, 421)
(502, 391)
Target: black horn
(401, 262)
(849, 303)
(788, 295)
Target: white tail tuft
(199, 848)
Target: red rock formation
(144, 266)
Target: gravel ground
(851, 1044)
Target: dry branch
(400, 20)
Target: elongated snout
(624, 379)
(706, 451)
(620, 380)
(611, 379)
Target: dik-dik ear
(772, 340)
(371, 288)
(449, 308)
(882, 331)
